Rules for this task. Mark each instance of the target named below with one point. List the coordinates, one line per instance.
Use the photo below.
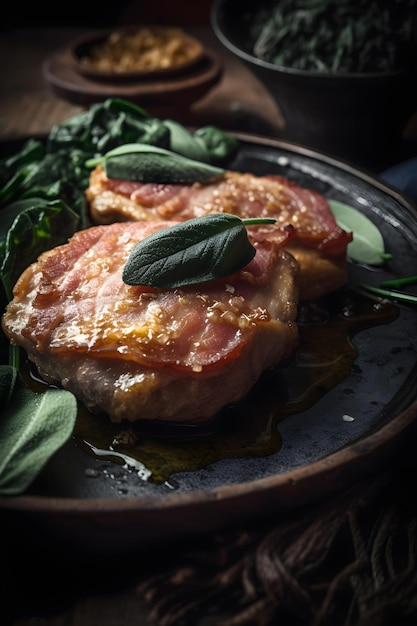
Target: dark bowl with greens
(343, 73)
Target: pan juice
(250, 427)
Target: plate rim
(358, 450)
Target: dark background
(96, 14)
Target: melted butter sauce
(156, 450)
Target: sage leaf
(367, 245)
(33, 426)
(220, 145)
(182, 141)
(152, 164)
(194, 251)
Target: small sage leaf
(367, 245)
(33, 426)
(194, 251)
(150, 164)
(220, 145)
(182, 141)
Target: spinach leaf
(33, 225)
(32, 151)
(107, 125)
(60, 176)
(367, 245)
(194, 251)
(151, 164)
(12, 187)
(33, 426)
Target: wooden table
(44, 590)
(29, 106)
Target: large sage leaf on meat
(194, 251)
(367, 245)
(150, 164)
(33, 426)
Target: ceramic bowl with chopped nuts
(141, 52)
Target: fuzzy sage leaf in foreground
(194, 251)
(33, 426)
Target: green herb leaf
(33, 225)
(221, 146)
(151, 164)
(33, 426)
(10, 188)
(400, 296)
(367, 245)
(400, 282)
(194, 251)
(31, 152)
(182, 141)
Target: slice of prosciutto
(318, 243)
(138, 352)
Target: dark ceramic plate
(291, 442)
